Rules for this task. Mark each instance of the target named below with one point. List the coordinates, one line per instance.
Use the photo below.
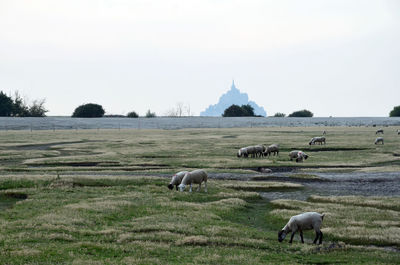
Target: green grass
(117, 220)
(61, 203)
(347, 148)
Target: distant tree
(237, 111)
(280, 115)
(150, 114)
(37, 109)
(248, 110)
(20, 108)
(302, 113)
(132, 114)
(89, 110)
(6, 105)
(395, 112)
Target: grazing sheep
(259, 150)
(249, 150)
(379, 131)
(379, 140)
(196, 176)
(298, 155)
(301, 156)
(273, 148)
(176, 180)
(301, 222)
(319, 140)
(242, 152)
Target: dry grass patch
(262, 186)
(193, 240)
(377, 202)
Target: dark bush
(150, 114)
(395, 112)
(280, 115)
(237, 111)
(132, 114)
(6, 105)
(89, 110)
(302, 113)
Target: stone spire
(233, 87)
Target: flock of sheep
(301, 222)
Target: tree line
(17, 107)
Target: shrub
(132, 114)
(395, 112)
(150, 114)
(6, 105)
(280, 114)
(302, 113)
(236, 111)
(89, 110)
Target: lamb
(379, 131)
(273, 148)
(398, 132)
(298, 155)
(176, 180)
(324, 132)
(301, 222)
(319, 140)
(379, 140)
(196, 176)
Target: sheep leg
(205, 186)
(301, 236)
(291, 237)
(316, 236)
(198, 189)
(176, 187)
(320, 237)
(190, 190)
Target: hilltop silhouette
(233, 96)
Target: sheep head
(281, 235)
(170, 186)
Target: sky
(336, 58)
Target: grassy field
(62, 200)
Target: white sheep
(398, 132)
(319, 140)
(324, 132)
(379, 140)
(259, 150)
(246, 151)
(196, 176)
(273, 148)
(301, 222)
(379, 131)
(176, 179)
(298, 155)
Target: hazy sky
(335, 58)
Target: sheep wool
(196, 176)
(301, 222)
(176, 179)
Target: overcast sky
(336, 58)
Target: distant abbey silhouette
(233, 96)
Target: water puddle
(7, 200)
